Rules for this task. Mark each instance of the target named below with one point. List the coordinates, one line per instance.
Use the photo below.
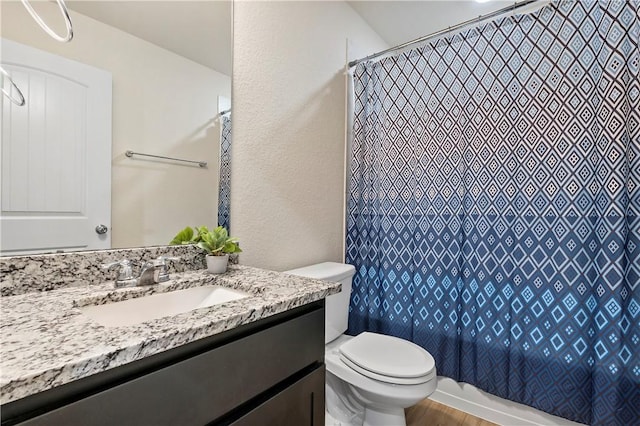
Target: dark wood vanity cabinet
(270, 372)
(302, 403)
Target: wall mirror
(165, 67)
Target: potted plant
(216, 243)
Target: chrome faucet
(160, 263)
(147, 274)
(150, 272)
(125, 274)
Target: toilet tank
(337, 305)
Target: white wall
(288, 129)
(151, 201)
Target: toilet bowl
(376, 398)
(371, 378)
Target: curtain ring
(20, 101)
(45, 27)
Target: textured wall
(151, 200)
(289, 120)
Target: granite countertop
(45, 341)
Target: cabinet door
(300, 404)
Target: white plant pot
(217, 264)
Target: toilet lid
(388, 358)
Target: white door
(55, 154)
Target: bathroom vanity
(257, 360)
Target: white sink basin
(145, 308)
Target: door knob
(101, 229)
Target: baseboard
(468, 398)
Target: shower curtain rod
(221, 113)
(436, 34)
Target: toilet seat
(387, 379)
(388, 359)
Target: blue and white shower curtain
(224, 186)
(493, 207)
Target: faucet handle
(161, 266)
(125, 274)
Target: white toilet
(371, 378)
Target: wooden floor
(431, 413)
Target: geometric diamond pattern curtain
(494, 207)
(224, 189)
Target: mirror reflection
(152, 77)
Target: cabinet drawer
(200, 389)
(301, 404)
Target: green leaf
(201, 230)
(231, 247)
(215, 241)
(183, 237)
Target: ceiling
(400, 21)
(201, 30)
(197, 30)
